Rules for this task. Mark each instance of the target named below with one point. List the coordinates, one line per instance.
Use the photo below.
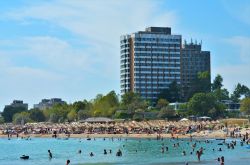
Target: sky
(70, 49)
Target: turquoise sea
(135, 151)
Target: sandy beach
(128, 129)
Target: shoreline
(195, 135)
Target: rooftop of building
(165, 30)
(152, 30)
(17, 102)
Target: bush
(21, 118)
(122, 115)
(138, 117)
(1, 120)
(36, 115)
(166, 112)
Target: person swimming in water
(198, 153)
(80, 151)
(119, 153)
(50, 154)
(67, 162)
(91, 154)
(222, 160)
(105, 152)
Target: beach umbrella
(205, 117)
(184, 119)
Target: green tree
(132, 101)
(83, 114)
(21, 118)
(166, 112)
(217, 83)
(221, 94)
(205, 104)
(245, 106)
(128, 98)
(1, 120)
(138, 116)
(36, 115)
(105, 105)
(53, 118)
(122, 115)
(201, 84)
(9, 112)
(72, 115)
(58, 113)
(183, 110)
(218, 92)
(239, 91)
(80, 105)
(162, 103)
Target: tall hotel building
(150, 60)
(193, 61)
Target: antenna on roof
(191, 41)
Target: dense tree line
(205, 100)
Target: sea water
(134, 151)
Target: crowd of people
(195, 147)
(157, 129)
(127, 127)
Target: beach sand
(202, 134)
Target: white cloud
(234, 74)
(57, 53)
(238, 72)
(98, 24)
(94, 53)
(28, 74)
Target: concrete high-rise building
(193, 61)
(150, 61)
(18, 104)
(48, 103)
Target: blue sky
(70, 49)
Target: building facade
(150, 61)
(193, 61)
(231, 106)
(17, 104)
(48, 103)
